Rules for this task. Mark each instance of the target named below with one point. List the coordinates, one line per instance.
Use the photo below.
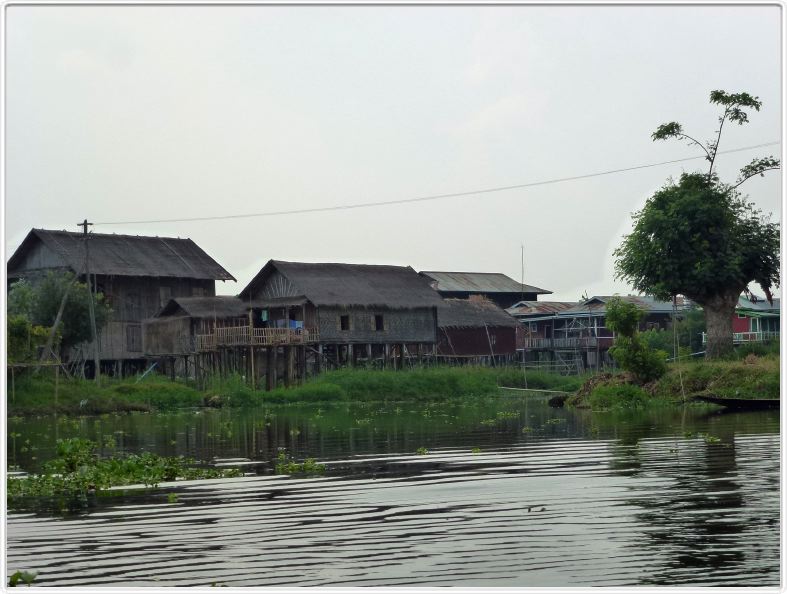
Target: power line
(278, 213)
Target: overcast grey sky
(135, 113)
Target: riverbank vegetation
(33, 394)
(747, 376)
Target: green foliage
(77, 471)
(730, 379)
(26, 577)
(698, 237)
(759, 349)
(76, 314)
(40, 302)
(618, 396)
(24, 339)
(422, 451)
(623, 317)
(309, 467)
(630, 351)
(34, 394)
(21, 297)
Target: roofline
(34, 233)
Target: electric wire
(340, 207)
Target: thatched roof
(472, 313)
(350, 285)
(124, 255)
(478, 282)
(220, 306)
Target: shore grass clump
(753, 377)
(34, 394)
(77, 471)
(607, 397)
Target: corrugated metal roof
(758, 303)
(597, 305)
(472, 313)
(126, 255)
(539, 308)
(479, 282)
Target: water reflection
(551, 497)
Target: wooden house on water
(495, 286)
(475, 330)
(575, 336)
(136, 274)
(298, 318)
(755, 320)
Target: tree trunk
(719, 312)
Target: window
(134, 338)
(379, 323)
(197, 291)
(344, 322)
(493, 339)
(164, 293)
(534, 326)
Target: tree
(39, 303)
(630, 351)
(700, 238)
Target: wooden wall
(475, 341)
(417, 325)
(134, 299)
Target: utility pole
(96, 359)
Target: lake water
(511, 493)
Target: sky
(137, 113)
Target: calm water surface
(554, 497)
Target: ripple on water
(576, 512)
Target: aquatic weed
(27, 577)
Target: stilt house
(136, 274)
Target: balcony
(745, 337)
(247, 336)
(584, 342)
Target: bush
(618, 396)
(760, 349)
(630, 350)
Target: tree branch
(760, 172)
(718, 139)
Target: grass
(34, 394)
(752, 377)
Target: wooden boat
(740, 403)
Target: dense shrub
(630, 351)
(618, 396)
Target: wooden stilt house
(136, 274)
(303, 317)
